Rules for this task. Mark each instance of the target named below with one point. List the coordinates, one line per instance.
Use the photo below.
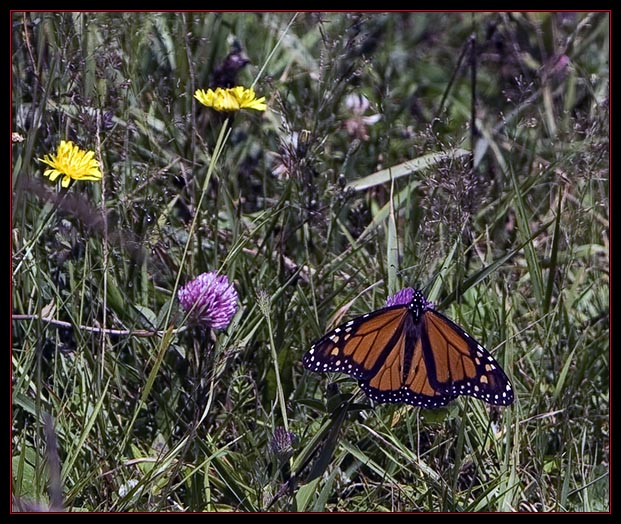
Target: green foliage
(315, 214)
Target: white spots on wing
(480, 390)
(406, 396)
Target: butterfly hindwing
(388, 384)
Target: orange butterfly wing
(358, 347)
(404, 375)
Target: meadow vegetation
(362, 176)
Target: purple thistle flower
(282, 443)
(405, 296)
(400, 297)
(209, 299)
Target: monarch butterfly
(407, 352)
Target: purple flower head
(283, 442)
(405, 296)
(209, 299)
(402, 297)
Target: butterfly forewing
(357, 347)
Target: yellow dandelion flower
(231, 99)
(73, 163)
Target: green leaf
(405, 169)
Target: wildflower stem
(165, 342)
(274, 50)
(217, 151)
(280, 393)
(105, 251)
(142, 333)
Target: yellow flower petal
(231, 99)
(73, 163)
(52, 173)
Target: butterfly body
(410, 353)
